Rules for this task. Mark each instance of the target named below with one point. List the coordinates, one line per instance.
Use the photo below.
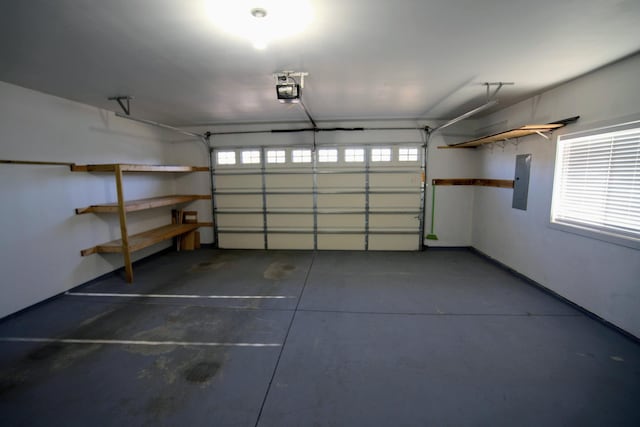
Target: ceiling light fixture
(258, 12)
(261, 21)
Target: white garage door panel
(324, 205)
(351, 242)
(227, 182)
(290, 241)
(341, 201)
(341, 221)
(240, 220)
(393, 243)
(241, 241)
(342, 180)
(235, 201)
(399, 201)
(393, 221)
(293, 201)
(297, 181)
(290, 221)
(400, 181)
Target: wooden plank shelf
(502, 136)
(127, 243)
(514, 134)
(127, 167)
(143, 204)
(143, 240)
(500, 183)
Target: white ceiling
(366, 59)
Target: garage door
(341, 198)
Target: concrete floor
(435, 338)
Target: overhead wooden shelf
(514, 134)
(142, 204)
(142, 240)
(127, 167)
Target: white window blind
(597, 181)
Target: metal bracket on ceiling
(289, 75)
(127, 108)
(492, 96)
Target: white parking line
(131, 342)
(97, 294)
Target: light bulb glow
(283, 19)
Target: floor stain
(45, 352)
(213, 264)
(73, 354)
(7, 386)
(162, 405)
(201, 372)
(278, 270)
(95, 318)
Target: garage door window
(276, 156)
(328, 155)
(381, 154)
(408, 154)
(250, 157)
(354, 155)
(301, 156)
(226, 157)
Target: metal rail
(319, 211)
(311, 231)
(319, 172)
(311, 192)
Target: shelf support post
(128, 268)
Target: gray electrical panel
(521, 185)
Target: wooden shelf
(514, 133)
(142, 240)
(510, 134)
(142, 204)
(127, 167)
(127, 244)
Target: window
(328, 155)
(226, 157)
(381, 154)
(354, 155)
(276, 156)
(408, 154)
(251, 157)
(301, 156)
(596, 189)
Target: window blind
(597, 181)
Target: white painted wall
(41, 235)
(453, 204)
(602, 277)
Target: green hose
(431, 235)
